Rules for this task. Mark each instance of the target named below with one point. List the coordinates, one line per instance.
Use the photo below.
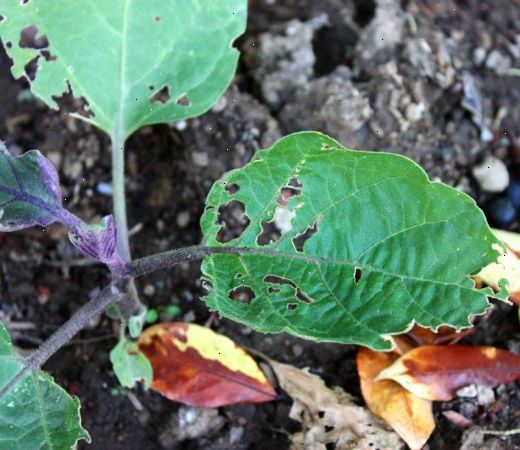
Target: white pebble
(414, 112)
(492, 175)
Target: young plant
(367, 246)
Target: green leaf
(369, 245)
(130, 365)
(135, 62)
(36, 413)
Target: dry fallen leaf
(329, 417)
(444, 335)
(507, 267)
(196, 366)
(410, 416)
(436, 372)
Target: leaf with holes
(410, 416)
(37, 413)
(367, 245)
(329, 416)
(196, 366)
(134, 62)
(436, 372)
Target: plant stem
(110, 294)
(119, 196)
(131, 304)
(117, 291)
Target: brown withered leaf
(444, 335)
(198, 367)
(329, 417)
(507, 266)
(436, 372)
(410, 416)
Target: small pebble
(492, 175)
(414, 112)
(513, 193)
(149, 290)
(485, 395)
(469, 391)
(200, 158)
(479, 56)
(498, 62)
(183, 219)
(189, 317)
(104, 188)
(501, 212)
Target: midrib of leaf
(123, 90)
(42, 416)
(316, 260)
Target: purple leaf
(29, 192)
(98, 242)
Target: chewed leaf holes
(161, 96)
(2, 18)
(29, 39)
(357, 275)
(68, 103)
(298, 293)
(242, 294)
(183, 100)
(272, 230)
(292, 189)
(233, 219)
(292, 306)
(207, 285)
(300, 239)
(270, 233)
(232, 188)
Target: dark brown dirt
(171, 168)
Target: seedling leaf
(130, 365)
(36, 413)
(134, 62)
(388, 247)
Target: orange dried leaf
(444, 335)
(198, 367)
(436, 372)
(410, 416)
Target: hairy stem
(116, 291)
(131, 304)
(110, 294)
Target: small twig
(80, 262)
(502, 433)
(92, 340)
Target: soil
(404, 93)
